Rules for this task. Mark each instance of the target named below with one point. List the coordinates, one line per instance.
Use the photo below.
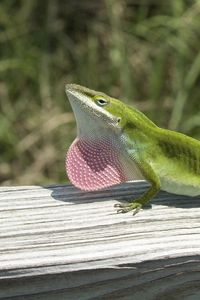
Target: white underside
(179, 188)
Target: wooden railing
(60, 243)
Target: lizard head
(94, 110)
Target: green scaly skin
(168, 160)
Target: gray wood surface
(60, 243)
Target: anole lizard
(117, 143)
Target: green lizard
(117, 143)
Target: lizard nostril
(118, 120)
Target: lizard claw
(124, 208)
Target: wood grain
(57, 242)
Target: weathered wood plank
(60, 243)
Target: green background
(146, 53)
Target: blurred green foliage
(145, 52)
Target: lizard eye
(101, 102)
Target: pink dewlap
(93, 165)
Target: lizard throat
(94, 164)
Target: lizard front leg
(136, 204)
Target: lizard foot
(124, 208)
